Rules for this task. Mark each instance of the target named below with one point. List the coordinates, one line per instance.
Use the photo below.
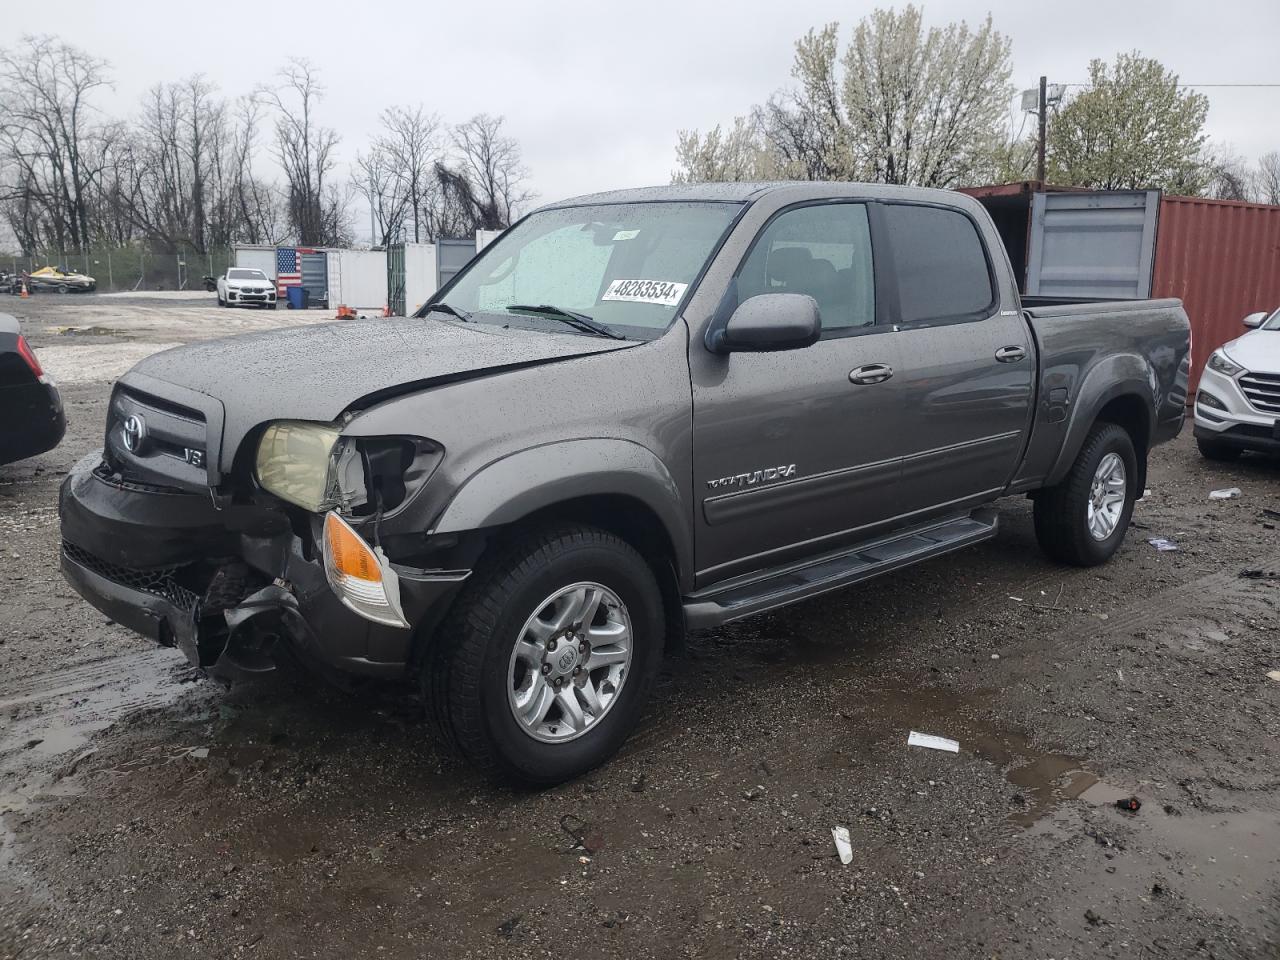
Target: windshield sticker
(626, 235)
(646, 291)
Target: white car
(1238, 400)
(244, 285)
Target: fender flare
(510, 489)
(1120, 375)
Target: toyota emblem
(134, 432)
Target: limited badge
(662, 292)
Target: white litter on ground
(1230, 493)
(1163, 545)
(933, 743)
(843, 847)
(1274, 675)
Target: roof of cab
(746, 192)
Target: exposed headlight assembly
(1219, 363)
(311, 465)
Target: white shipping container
(358, 279)
(257, 257)
(420, 279)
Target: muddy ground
(149, 813)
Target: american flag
(288, 268)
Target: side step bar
(769, 589)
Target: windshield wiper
(579, 321)
(446, 308)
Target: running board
(759, 592)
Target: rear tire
(479, 669)
(1074, 519)
(1217, 450)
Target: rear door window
(940, 265)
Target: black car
(31, 416)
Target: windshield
(1272, 322)
(626, 266)
(242, 274)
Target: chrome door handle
(1010, 354)
(871, 373)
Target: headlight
(311, 465)
(1219, 363)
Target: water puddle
(51, 719)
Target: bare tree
(411, 140)
(486, 175)
(1268, 177)
(1228, 176)
(378, 179)
(305, 150)
(51, 141)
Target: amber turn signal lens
(350, 555)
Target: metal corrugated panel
(1097, 244)
(315, 275)
(452, 256)
(1222, 260)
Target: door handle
(871, 373)
(1010, 354)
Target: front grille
(169, 450)
(158, 581)
(1262, 390)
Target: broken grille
(158, 582)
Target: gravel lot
(148, 813)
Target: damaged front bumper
(227, 585)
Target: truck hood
(1258, 351)
(317, 372)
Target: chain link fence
(121, 269)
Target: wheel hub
(570, 662)
(565, 658)
(1107, 494)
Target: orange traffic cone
(24, 295)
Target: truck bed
(1086, 348)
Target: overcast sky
(595, 92)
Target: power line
(1251, 86)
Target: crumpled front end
(231, 585)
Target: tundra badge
(767, 475)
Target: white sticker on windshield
(664, 292)
(626, 235)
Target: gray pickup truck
(634, 414)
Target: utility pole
(1043, 112)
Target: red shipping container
(1222, 260)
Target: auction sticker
(646, 291)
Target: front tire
(545, 663)
(1082, 520)
(1217, 451)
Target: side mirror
(770, 321)
(1255, 319)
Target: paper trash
(933, 743)
(841, 836)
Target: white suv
(242, 285)
(1238, 400)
